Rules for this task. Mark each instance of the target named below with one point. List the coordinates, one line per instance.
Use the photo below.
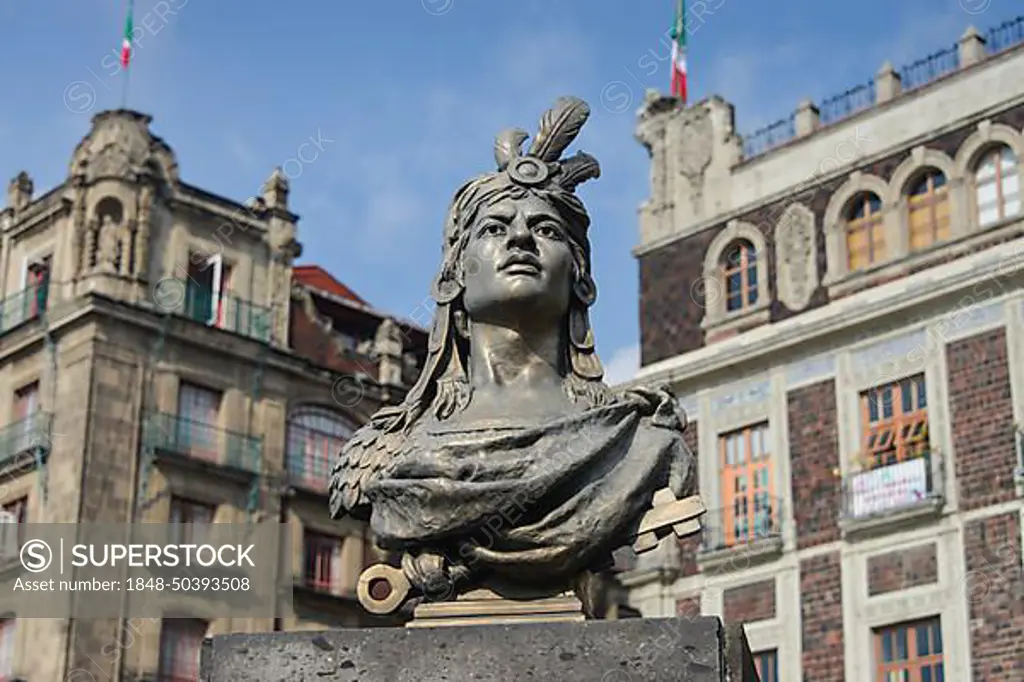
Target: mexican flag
(126, 42)
(679, 52)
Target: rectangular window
(909, 652)
(748, 485)
(37, 284)
(206, 289)
(8, 630)
(767, 664)
(198, 416)
(180, 642)
(192, 519)
(895, 417)
(322, 565)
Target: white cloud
(623, 366)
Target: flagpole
(124, 87)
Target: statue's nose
(519, 235)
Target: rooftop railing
(930, 68)
(846, 104)
(1004, 36)
(769, 137)
(914, 75)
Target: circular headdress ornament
(528, 171)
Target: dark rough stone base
(669, 649)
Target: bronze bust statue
(511, 465)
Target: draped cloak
(535, 502)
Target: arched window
(997, 185)
(865, 231)
(315, 437)
(739, 270)
(928, 209)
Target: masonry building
(163, 359)
(837, 300)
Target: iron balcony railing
(27, 304)
(894, 488)
(29, 435)
(747, 521)
(229, 312)
(207, 442)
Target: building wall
(819, 582)
(114, 346)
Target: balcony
(27, 304)
(169, 433)
(892, 495)
(228, 312)
(749, 530)
(28, 437)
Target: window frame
(168, 665)
(305, 464)
(767, 657)
(867, 226)
(932, 201)
(749, 292)
(914, 661)
(750, 469)
(997, 180)
(901, 437)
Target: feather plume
(577, 169)
(559, 126)
(508, 146)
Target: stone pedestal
(669, 649)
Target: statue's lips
(520, 265)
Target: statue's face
(518, 265)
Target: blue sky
(406, 96)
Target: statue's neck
(502, 358)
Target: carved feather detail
(508, 146)
(559, 126)
(578, 169)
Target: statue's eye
(493, 228)
(548, 230)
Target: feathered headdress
(559, 126)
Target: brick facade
(981, 411)
(902, 569)
(821, 614)
(749, 603)
(814, 457)
(994, 586)
(671, 289)
(689, 546)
